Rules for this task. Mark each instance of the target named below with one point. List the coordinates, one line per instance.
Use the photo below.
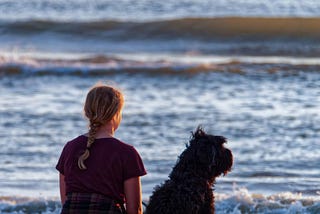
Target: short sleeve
(133, 166)
(61, 161)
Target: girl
(99, 173)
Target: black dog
(189, 189)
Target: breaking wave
(95, 65)
(151, 64)
(241, 201)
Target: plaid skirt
(90, 203)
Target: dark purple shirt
(111, 162)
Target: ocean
(247, 70)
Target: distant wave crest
(188, 28)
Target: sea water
(247, 70)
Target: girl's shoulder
(81, 139)
(123, 149)
(122, 145)
(102, 144)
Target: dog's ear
(197, 135)
(205, 153)
(225, 162)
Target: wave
(17, 204)
(183, 28)
(240, 201)
(150, 64)
(95, 65)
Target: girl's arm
(62, 189)
(132, 191)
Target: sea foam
(240, 201)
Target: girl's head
(103, 105)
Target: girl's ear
(116, 120)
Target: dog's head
(206, 155)
(210, 152)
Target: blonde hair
(102, 104)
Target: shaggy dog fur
(189, 187)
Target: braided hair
(102, 104)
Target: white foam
(218, 59)
(242, 201)
(17, 204)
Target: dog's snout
(220, 139)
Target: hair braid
(92, 132)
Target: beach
(256, 82)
